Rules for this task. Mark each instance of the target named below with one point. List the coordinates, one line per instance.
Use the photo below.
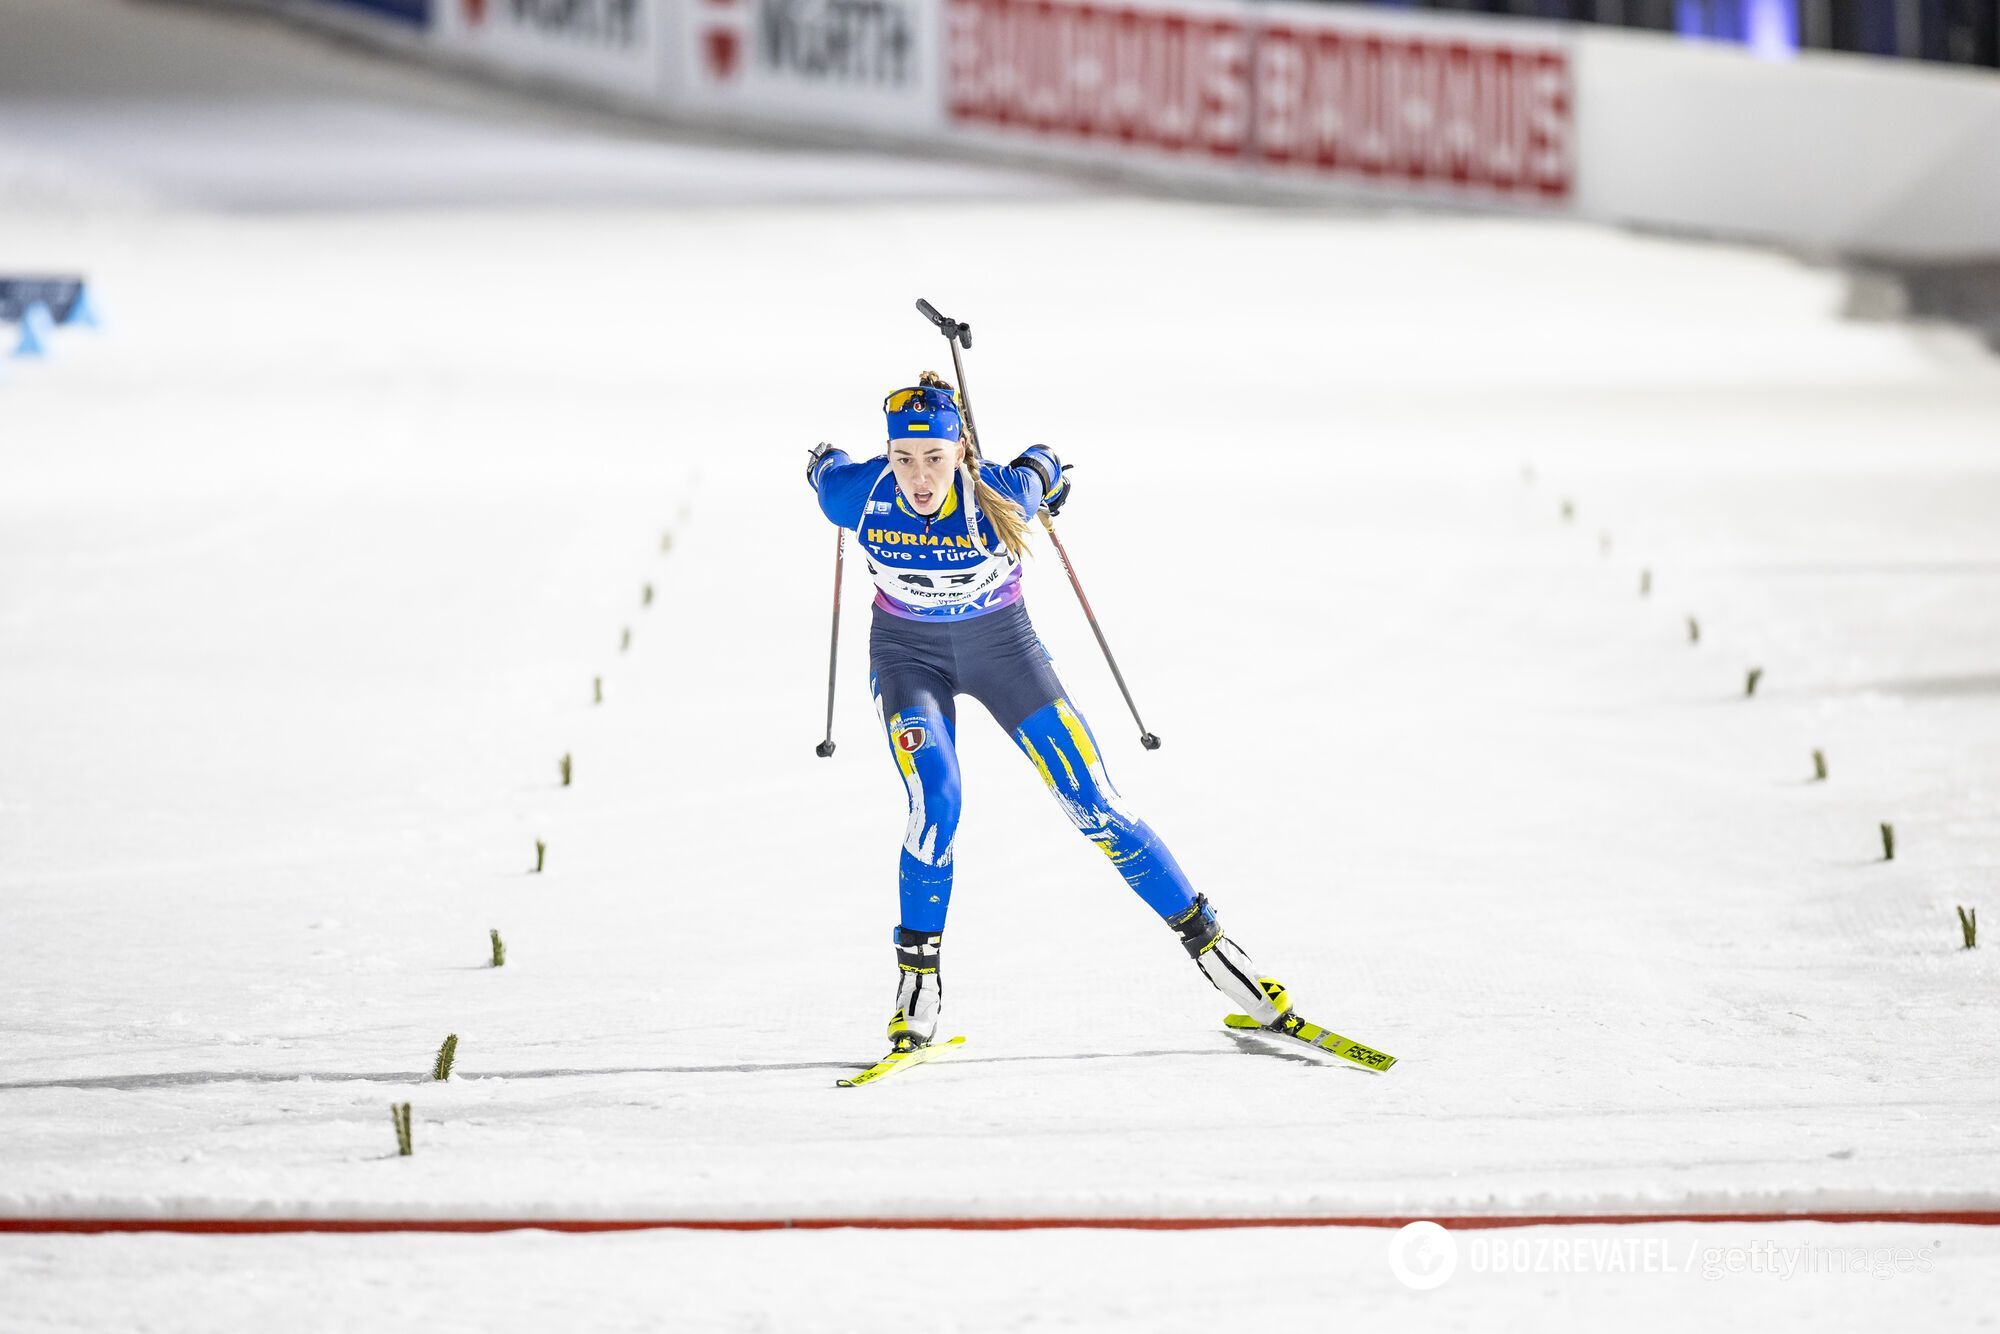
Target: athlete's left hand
(1042, 461)
(1054, 502)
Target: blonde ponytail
(1008, 521)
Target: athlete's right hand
(814, 457)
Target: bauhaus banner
(1461, 110)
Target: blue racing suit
(949, 621)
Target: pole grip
(953, 331)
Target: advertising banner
(868, 64)
(613, 45)
(1478, 110)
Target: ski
(901, 1060)
(1294, 1031)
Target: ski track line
(253, 1226)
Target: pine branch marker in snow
(666, 542)
(646, 597)
(1568, 510)
(399, 1112)
(1750, 681)
(1968, 923)
(1888, 842)
(1645, 583)
(441, 1067)
(541, 852)
(499, 949)
(1694, 631)
(596, 690)
(565, 769)
(1819, 766)
(624, 638)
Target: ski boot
(919, 991)
(1268, 1012)
(1228, 969)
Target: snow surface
(308, 560)
(1672, 1276)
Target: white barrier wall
(1836, 153)
(1833, 153)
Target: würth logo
(858, 42)
(593, 22)
(722, 38)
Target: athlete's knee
(930, 778)
(1056, 740)
(934, 798)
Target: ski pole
(955, 333)
(825, 748)
(1146, 738)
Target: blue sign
(60, 295)
(415, 12)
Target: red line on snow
(252, 1226)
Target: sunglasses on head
(918, 398)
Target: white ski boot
(1223, 962)
(919, 991)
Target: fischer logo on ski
(1294, 1031)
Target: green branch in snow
(441, 1067)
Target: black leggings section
(997, 658)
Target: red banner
(1294, 91)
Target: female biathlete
(944, 532)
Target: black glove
(813, 458)
(1054, 474)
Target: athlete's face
(923, 471)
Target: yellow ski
(901, 1060)
(1293, 1030)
